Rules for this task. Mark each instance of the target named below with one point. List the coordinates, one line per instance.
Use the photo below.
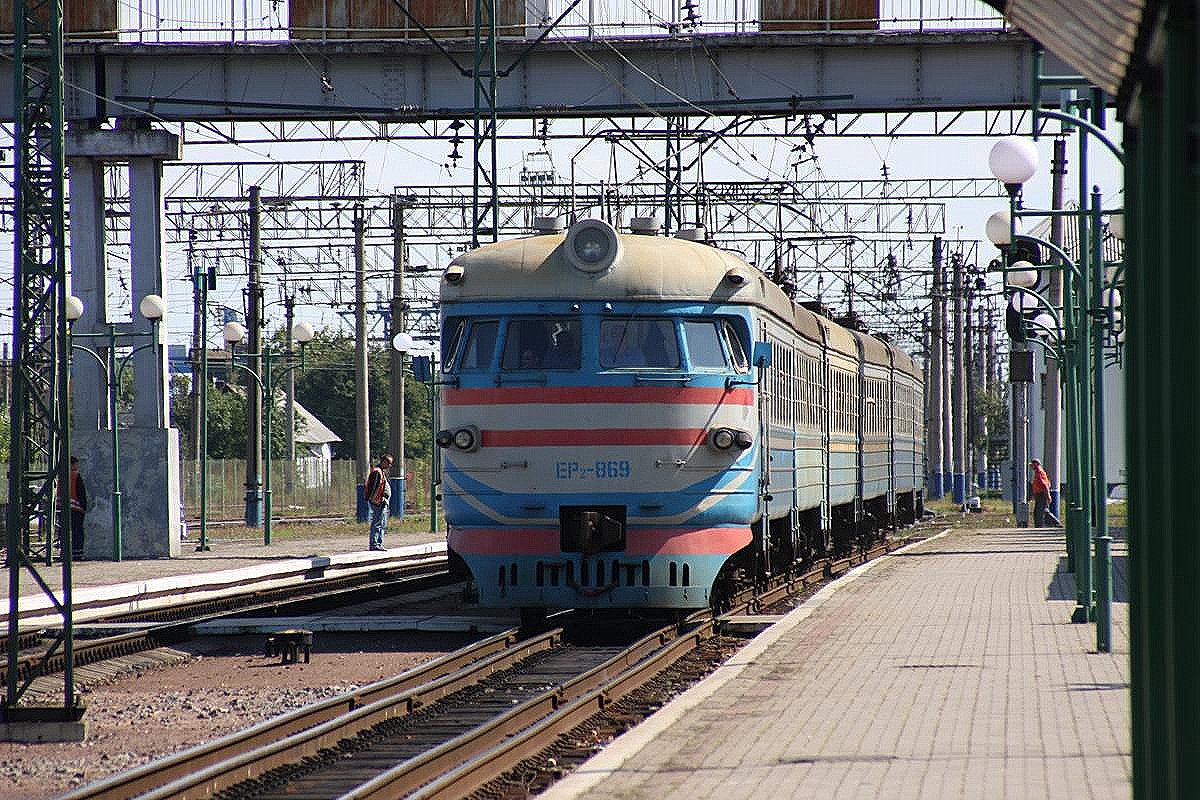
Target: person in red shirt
(1040, 489)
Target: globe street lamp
(154, 309)
(1013, 160)
(234, 333)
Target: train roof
(875, 351)
(647, 268)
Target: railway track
(450, 727)
(172, 625)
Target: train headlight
(444, 438)
(743, 440)
(466, 438)
(592, 245)
(721, 439)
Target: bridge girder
(412, 81)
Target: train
(630, 420)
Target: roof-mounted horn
(592, 246)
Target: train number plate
(578, 470)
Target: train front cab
(607, 479)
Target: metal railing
(307, 489)
(159, 21)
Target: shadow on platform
(1062, 583)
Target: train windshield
(543, 343)
(704, 344)
(481, 343)
(634, 343)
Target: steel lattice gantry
(39, 503)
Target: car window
(637, 343)
(737, 348)
(452, 335)
(481, 342)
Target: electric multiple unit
(640, 421)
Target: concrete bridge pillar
(149, 463)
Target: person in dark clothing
(79, 505)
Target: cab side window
(451, 339)
(737, 348)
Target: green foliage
(993, 407)
(5, 436)
(226, 422)
(326, 388)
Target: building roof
(1111, 42)
(312, 430)
(1114, 248)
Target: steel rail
(466, 763)
(225, 762)
(484, 755)
(462, 765)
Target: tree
(326, 387)
(5, 435)
(226, 422)
(993, 407)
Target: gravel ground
(226, 685)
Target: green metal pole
(203, 378)
(1084, 609)
(267, 409)
(114, 387)
(1103, 540)
(435, 454)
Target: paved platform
(230, 565)
(947, 670)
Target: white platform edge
(609, 760)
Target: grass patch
(997, 513)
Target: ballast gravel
(224, 685)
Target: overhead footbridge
(370, 61)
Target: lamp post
(205, 280)
(154, 309)
(1001, 228)
(234, 333)
(424, 368)
(1084, 313)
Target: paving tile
(948, 670)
